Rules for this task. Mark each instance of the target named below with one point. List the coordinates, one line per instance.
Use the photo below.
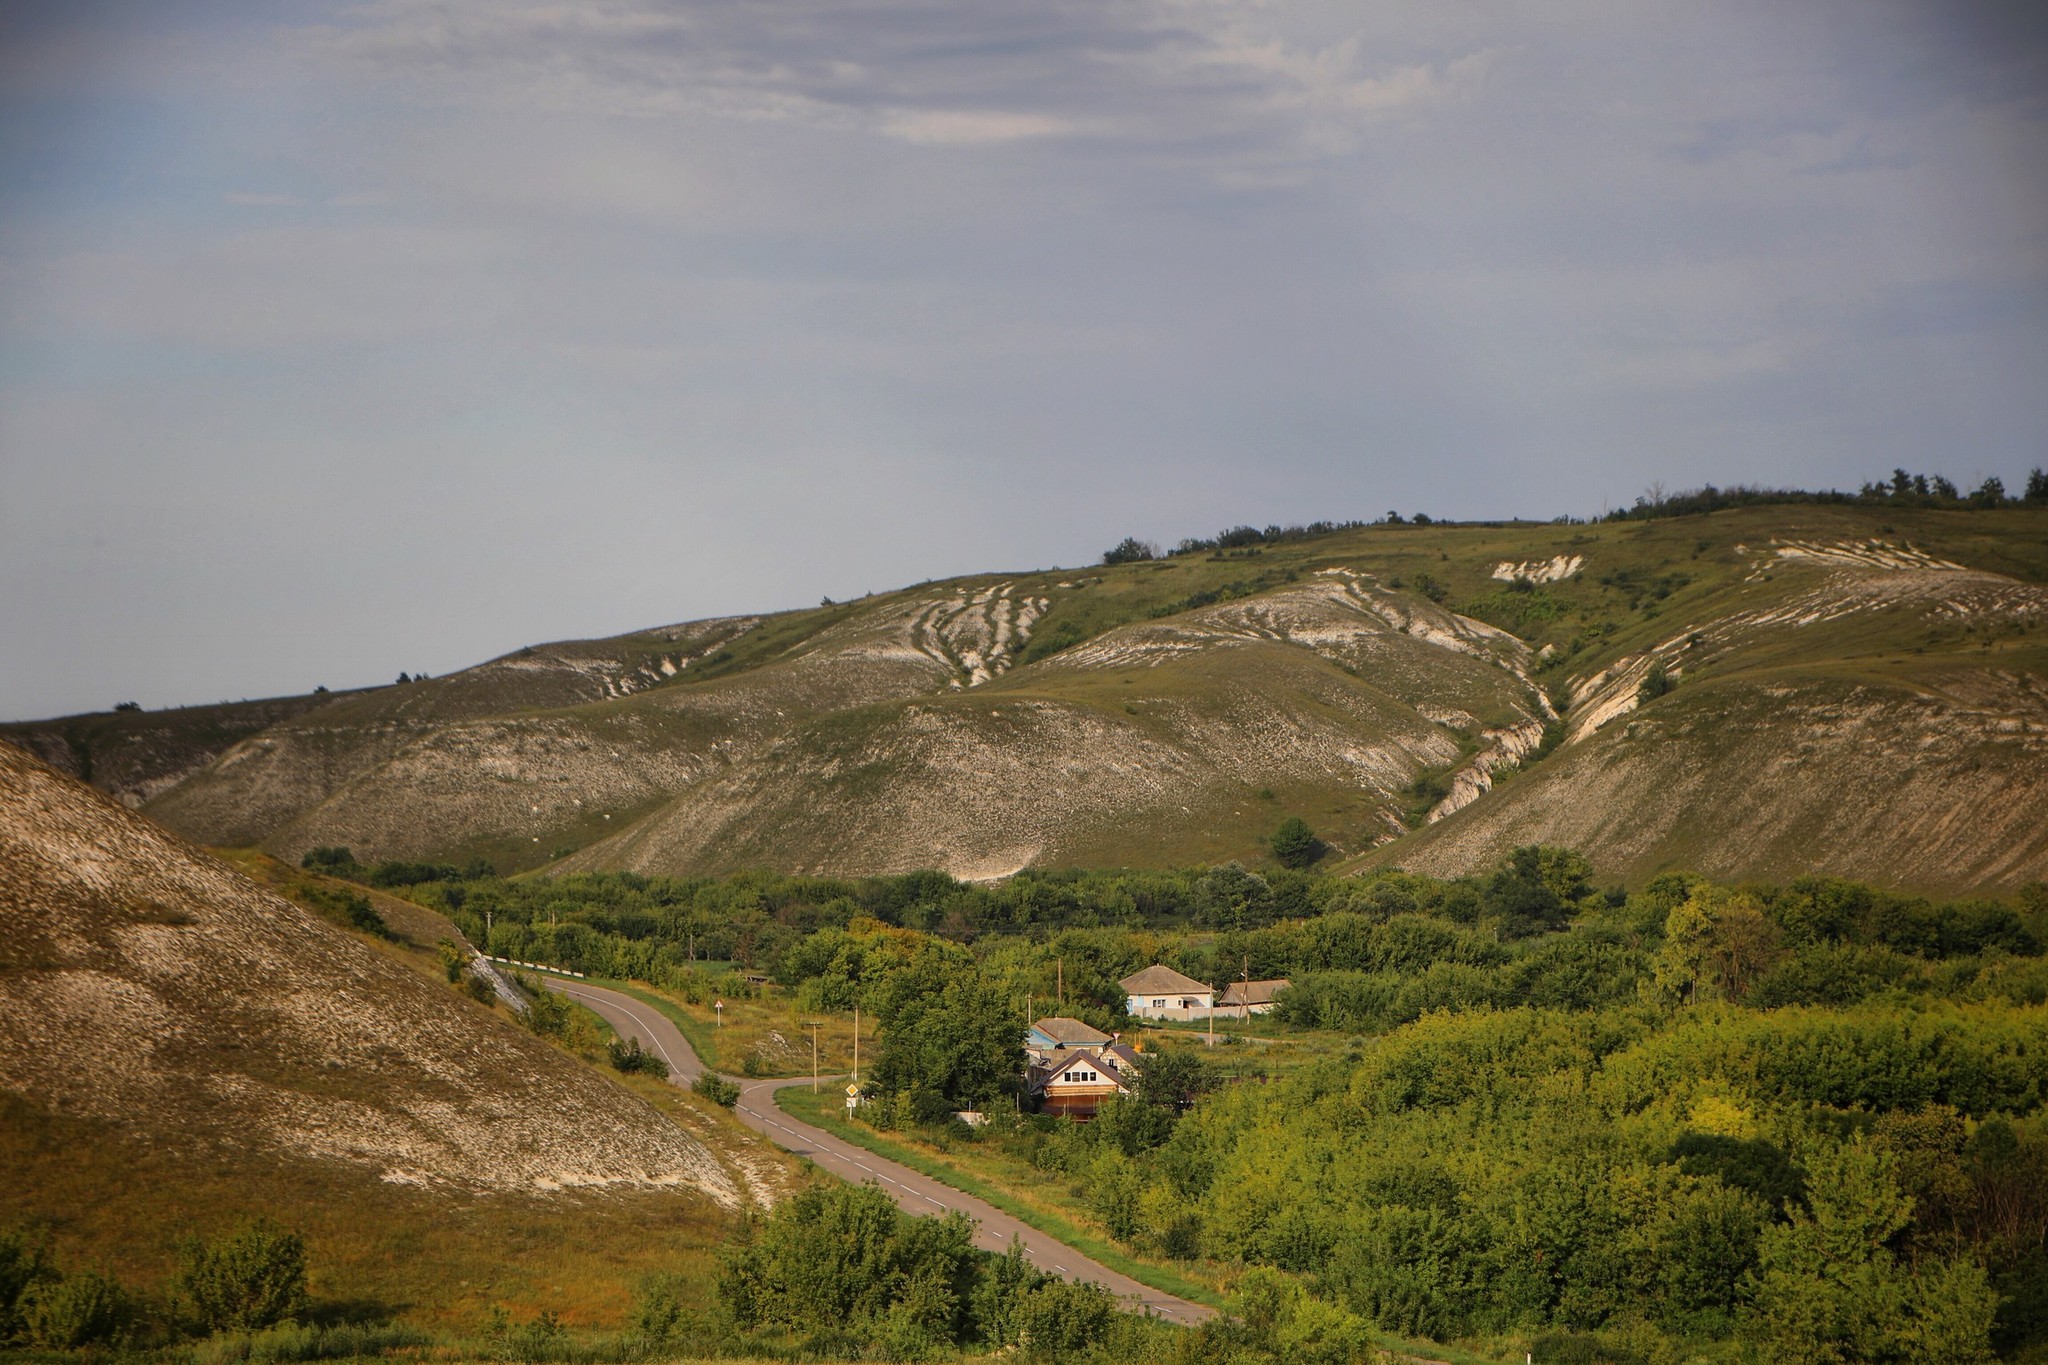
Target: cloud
(254, 200)
(970, 127)
(1135, 73)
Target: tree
(254, 1278)
(1990, 493)
(1130, 550)
(949, 1033)
(1828, 1288)
(2037, 488)
(1295, 845)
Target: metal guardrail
(534, 966)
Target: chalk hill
(1853, 689)
(147, 986)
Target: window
(1159, 1004)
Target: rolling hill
(1846, 688)
(180, 1047)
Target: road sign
(852, 1100)
(852, 1091)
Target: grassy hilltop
(1763, 691)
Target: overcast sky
(343, 339)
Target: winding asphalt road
(913, 1192)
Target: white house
(1163, 993)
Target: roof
(1124, 1059)
(1089, 1060)
(1252, 992)
(1158, 980)
(1071, 1032)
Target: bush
(628, 1056)
(77, 1310)
(1295, 845)
(1130, 550)
(252, 1279)
(330, 858)
(22, 1267)
(480, 988)
(1655, 684)
(717, 1089)
(546, 1013)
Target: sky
(344, 339)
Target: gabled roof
(1084, 1059)
(1125, 1060)
(1252, 992)
(1071, 1032)
(1158, 980)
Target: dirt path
(913, 1192)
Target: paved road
(913, 1192)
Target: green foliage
(1130, 550)
(547, 1014)
(480, 988)
(1829, 1288)
(628, 1056)
(1655, 683)
(948, 1033)
(23, 1265)
(1520, 608)
(333, 860)
(253, 1278)
(82, 1308)
(1295, 845)
(716, 1088)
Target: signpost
(719, 1005)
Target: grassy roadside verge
(696, 1033)
(823, 1111)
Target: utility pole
(856, 1044)
(814, 1027)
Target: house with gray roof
(1162, 993)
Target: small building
(1061, 1034)
(1241, 999)
(1076, 1082)
(1163, 993)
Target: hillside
(1857, 690)
(179, 1046)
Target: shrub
(480, 988)
(22, 1267)
(546, 1013)
(628, 1056)
(717, 1089)
(1130, 550)
(254, 1278)
(1295, 844)
(332, 859)
(77, 1310)
(1655, 684)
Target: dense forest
(1683, 1120)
